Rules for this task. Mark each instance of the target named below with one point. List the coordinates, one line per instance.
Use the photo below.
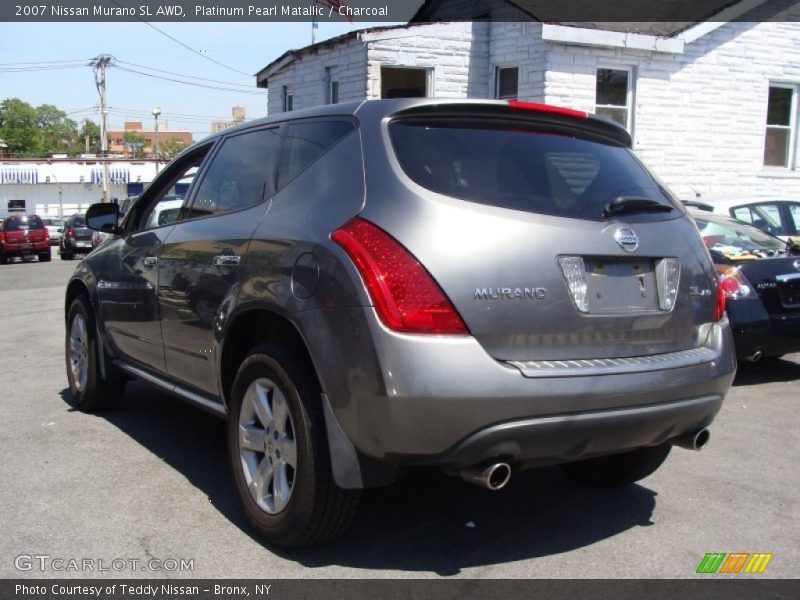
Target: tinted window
(511, 167)
(23, 223)
(724, 234)
(305, 142)
(240, 174)
(78, 222)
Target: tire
(44, 256)
(311, 509)
(90, 392)
(618, 469)
(3, 258)
(65, 255)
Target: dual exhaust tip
(692, 441)
(491, 476)
(495, 476)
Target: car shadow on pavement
(768, 370)
(426, 522)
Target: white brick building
(695, 98)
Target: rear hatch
(24, 231)
(80, 232)
(549, 237)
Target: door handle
(150, 261)
(226, 260)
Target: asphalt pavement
(150, 480)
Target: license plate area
(621, 286)
(790, 293)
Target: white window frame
(287, 100)
(792, 158)
(329, 84)
(630, 96)
(497, 69)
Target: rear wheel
(279, 454)
(618, 469)
(90, 391)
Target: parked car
(98, 237)
(761, 280)
(478, 286)
(778, 216)
(54, 228)
(23, 235)
(76, 239)
(126, 204)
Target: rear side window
(509, 166)
(240, 175)
(305, 143)
(23, 224)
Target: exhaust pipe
(755, 356)
(492, 476)
(692, 441)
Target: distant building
(56, 186)
(117, 142)
(238, 114)
(712, 106)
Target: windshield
(23, 223)
(732, 237)
(515, 166)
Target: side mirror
(103, 217)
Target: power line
(85, 61)
(32, 69)
(180, 43)
(201, 85)
(166, 114)
(183, 75)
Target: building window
(331, 87)
(506, 82)
(406, 82)
(288, 100)
(779, 141)
(614, 96)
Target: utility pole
(100, 64)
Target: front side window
(781, 126)
(614, 95)
(164, 206)
(506, 83)
(240, 174)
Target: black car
(76, 238)
(760, 276)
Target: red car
(23, 235)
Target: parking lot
(150, 480)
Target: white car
(54, 227)
(778, 216)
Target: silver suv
(364, 288)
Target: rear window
(78, 222)
(725, 235)
(509, 166)
(23, 223)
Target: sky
(244, 47)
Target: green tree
(89, 129)
(58, 132)
(19, 128)
(169, 148)
(131, 137)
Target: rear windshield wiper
(633, 204)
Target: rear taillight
(2, 237)
(546, 108)
(719, 304)
(406, 297)
(70, 233)
(733, 282)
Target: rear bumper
(756, 330)
(437, 400)
(30, 248)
